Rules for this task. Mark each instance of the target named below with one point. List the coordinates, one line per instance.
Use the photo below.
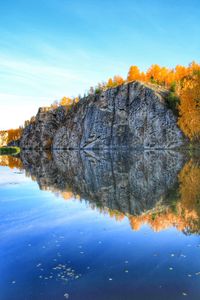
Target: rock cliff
(132, 115)
(39, 134)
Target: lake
(100, 225)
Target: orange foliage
(65, 101)
(189, 178)
(14, 134)
(110, 83)
(157, 74)
(189, 108)
(11, 162)
(11, 135)
(118, 80)
(162, 75)
(134, 74)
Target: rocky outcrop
(39, 134)
(132, 115)
(129, 182)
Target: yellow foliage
(10, 161)
(10, 135)
(65, 101)
(189, 179)
(134, 74)
(189, 108)
(118, 80)
(110, 83)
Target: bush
(172, 100)
(9, 150)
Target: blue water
(51, 248)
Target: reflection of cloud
(33, 219)
(8, 177)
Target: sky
(55, 48)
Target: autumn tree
(118, 80)
(134, 74)
(14, 134)
(110, 83)
(11, 161)
(66, 101)
(159, 75)
(189, 120)
(153, 73)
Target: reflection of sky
(50, 247)
(8, 177)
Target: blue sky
(52, 48)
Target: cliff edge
(133, 115)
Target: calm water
(100, 226)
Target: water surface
(100, 226)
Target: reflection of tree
(11, 162)
(185, 213)
(7, 136)
(190, 194)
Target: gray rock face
(129, 116)
(39, 134)
(132, 115)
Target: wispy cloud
(32, 69)
(29, 82)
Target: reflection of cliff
(128, 182)
(154, 187)
(184, 213)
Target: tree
(14, 134)
(189, 108)
(153, 73)
(181, 72)
(134, 74)
(118, 80)
(110, 83)
(66, 101)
